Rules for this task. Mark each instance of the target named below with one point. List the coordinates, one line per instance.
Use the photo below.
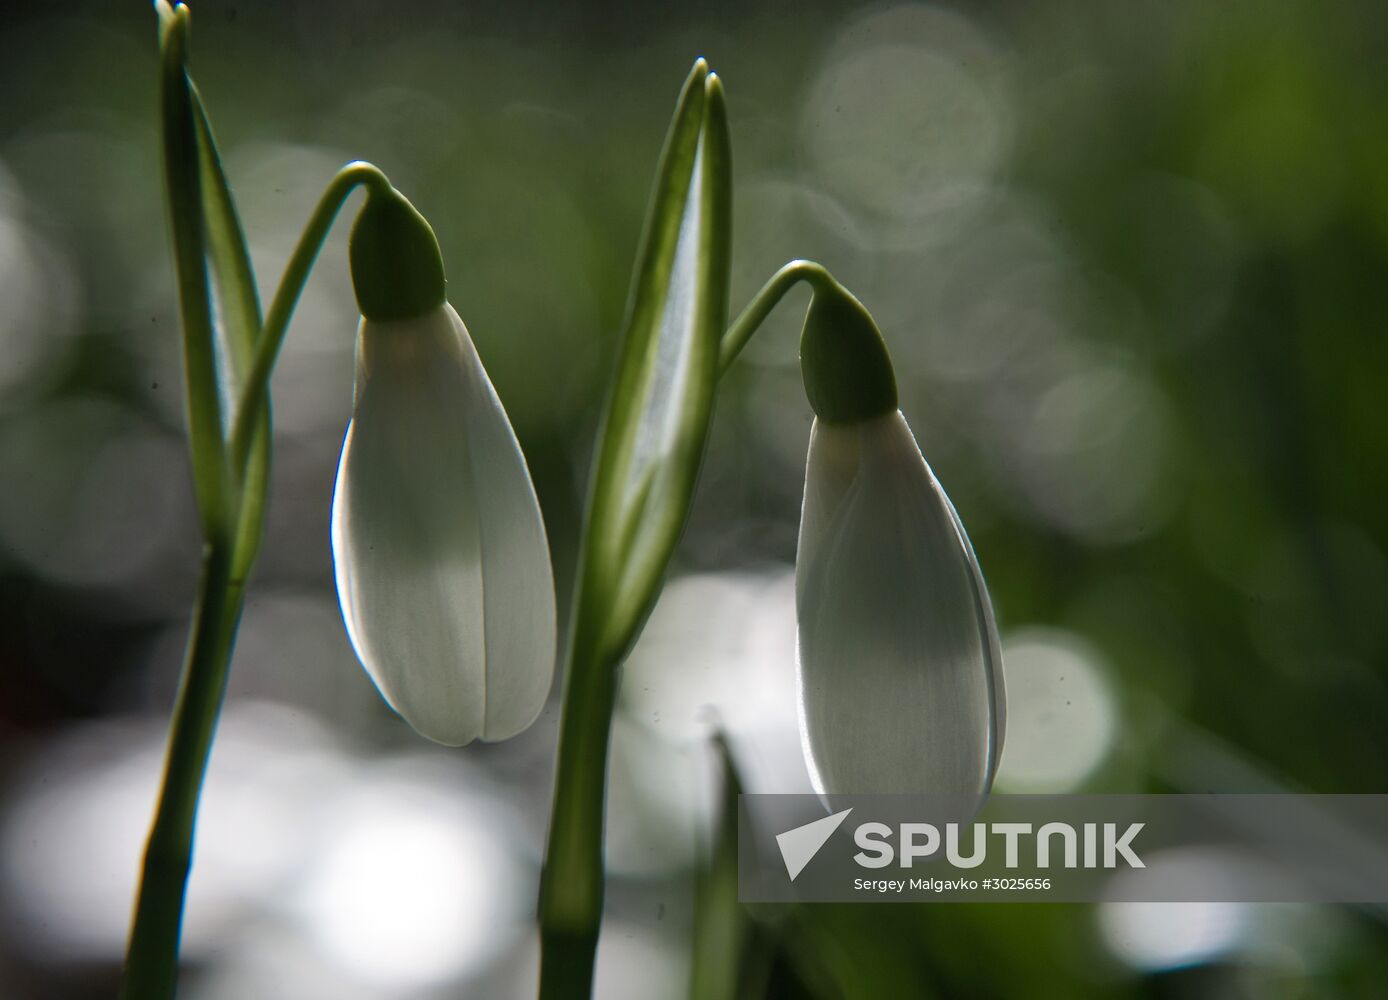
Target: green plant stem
(752, 317)
(232, 542)
(296, 272)
(230, 473)
(572, 884)
(152, 963)
(152, 958)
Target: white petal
(988, 624)
(900, 682)
(442, 567)
(519, 584)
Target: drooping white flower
(900, 673)
(900, 677)
(442, 565)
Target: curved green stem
(296, 272)
(765, 300)
(230, 474)
(151, 966)
(206, 232)
(232, 540)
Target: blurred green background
(1132, 261)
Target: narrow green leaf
(182, 178)
(722, 930)
(658, 416)
(237, 299)
(240, 326)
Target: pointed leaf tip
(173, 23)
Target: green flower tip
(843, 360)
(397, 269)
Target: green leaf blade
(182, 176)
(725, 957)
(658, 416)
(227, 252)
(235, 337)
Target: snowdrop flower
(900, 674)
(442, 565)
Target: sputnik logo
(800, 845)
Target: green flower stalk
(442, 565)
(206, 236)
(229, 449)
(899, 672)
(654, 429)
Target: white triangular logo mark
(799, 846)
